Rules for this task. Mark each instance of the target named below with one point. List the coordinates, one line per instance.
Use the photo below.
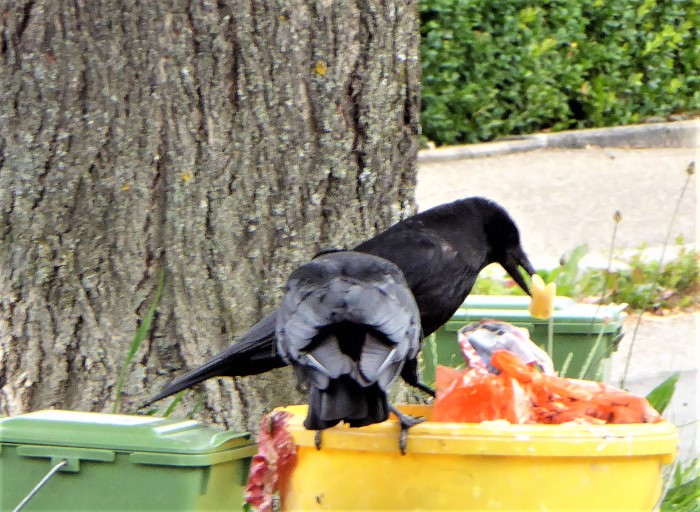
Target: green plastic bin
(576, 329)
(120, 462)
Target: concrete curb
(679, 134)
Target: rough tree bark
(225, 141)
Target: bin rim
(569, 317)
(514, 308)
(118, 432)
(495, 438)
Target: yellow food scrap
(542, 303)
(186, 176)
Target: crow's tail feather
(346, 400)
(255, 353)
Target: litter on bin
(519, 386)
(478, 341)
(276, 451)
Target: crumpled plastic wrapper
(480, 340)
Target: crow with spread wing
(347, 324)
(440, 252)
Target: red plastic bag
(522, 394)
(473, 396)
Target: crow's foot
(405, 422)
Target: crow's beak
(511, 265)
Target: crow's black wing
(348, 323)
(439, 275)
(332, 292)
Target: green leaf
(173, 404)
(140, 335)
(661, 395)
(684, 493)
(197, 406)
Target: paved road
(562, 198)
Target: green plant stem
(140, 335)
(668, 482)
(432, 345)
(617, 218)
(657, 275)
(565, 366)
(594, 349)
(174, 403)
(197, 406)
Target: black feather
(439, 251)
(366, 328)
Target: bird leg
(405, 422)
(424, 388)
(409, 373)
(317, 439)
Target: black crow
(347, 324)
(440, 252)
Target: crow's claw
(405, 422)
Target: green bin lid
(567, 312)
(118, 432)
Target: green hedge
(507, 67)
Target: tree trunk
(223, 141)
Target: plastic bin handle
(57, 467)
(73, 456)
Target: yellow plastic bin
(485, 466)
